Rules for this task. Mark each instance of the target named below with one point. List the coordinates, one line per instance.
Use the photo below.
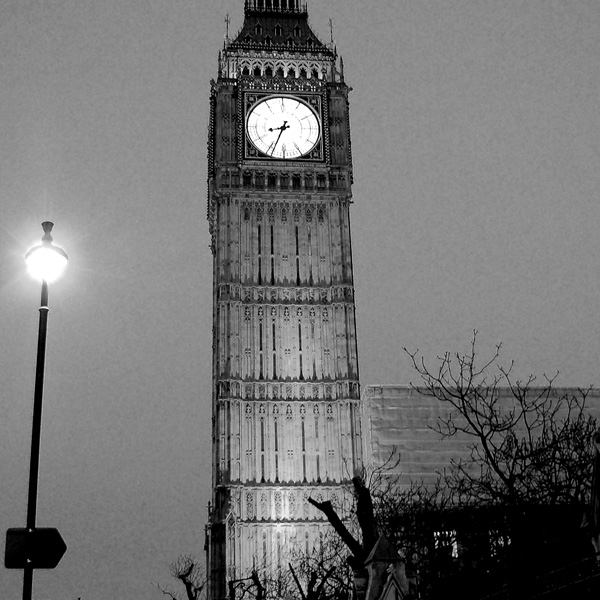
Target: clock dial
(283, 127)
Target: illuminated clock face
(283, 127)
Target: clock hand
(283, 127)
(281, 130)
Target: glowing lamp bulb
(46, 262)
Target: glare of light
(46, 262)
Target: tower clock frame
(315, 103)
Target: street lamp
(45, 262)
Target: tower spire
(227, 23)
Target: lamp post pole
(34, 465)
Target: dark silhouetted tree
(188, 571)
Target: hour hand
(282, 128)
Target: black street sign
(41, 548)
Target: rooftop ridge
(275, 6)
(372, 389)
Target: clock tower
(285, 394)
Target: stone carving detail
(231, 390)
(250, 505)
(263, 506)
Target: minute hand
(282, 129)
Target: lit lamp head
(46, 262)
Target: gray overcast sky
(476, 133)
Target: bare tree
(521, 495)
(531, 445)
(320, 573)
(190, 574)
(323, 573)
(248, 587)
(366, 520)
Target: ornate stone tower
(285, 396)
